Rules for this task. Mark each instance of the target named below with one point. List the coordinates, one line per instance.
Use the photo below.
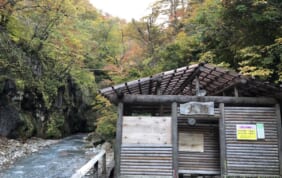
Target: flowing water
(60, 160)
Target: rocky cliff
(24, 113)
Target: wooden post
(197, 86)
(174, 139)
(118, 140)
(236, 92)
(223, 164)
(104, 165)
(278, 114)
(161, 111)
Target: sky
(124, 9)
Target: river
(60, 160)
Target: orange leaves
(134, 52)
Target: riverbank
(12, 150)
(62, 159)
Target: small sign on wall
(246, 132)
(205, 108)
(260, 131)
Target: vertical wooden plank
(197, 85)
(278, 114)
(236, 92)
(118, 140)
(161, 110)
(223, 163)
(174, 138)
(104, 165)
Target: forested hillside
(55, 55)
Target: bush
(106, 118)
(106, 126)
(55, 125)
(28, 129)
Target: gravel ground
(11, 150)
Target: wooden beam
(174, 139)
(278, 114)
(127, 88)
(223, 163)
(208, 84)
(208, 73)
(189, 69)
(150, 85)
(139, 87)
(158, 86)
(166, 99)
(168, 82)
(118, 92)
(189, 79)
(236, 81)
(200, 117)
(236, 92)
(118, 139)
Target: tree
(47, 61)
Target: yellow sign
(246, 132)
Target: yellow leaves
(278, 41)
(83, 78)
(207, 57)
(20, 84)
(259, 2)
(280, 76)
(102, 101)
(85, 81)
(254, 64)
(252, 52)
(254, 71)
(181, 38)
(106, 117)
(259, 61)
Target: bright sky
(125, 9)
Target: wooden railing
(93, 163)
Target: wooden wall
(146, 149)
(206, 162)
(146, 160)
(257, 157)
(146, 130)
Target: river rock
(107, 147)
(11, 150)
(95, 139)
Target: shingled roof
(214, 80)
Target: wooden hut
(198, 120)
